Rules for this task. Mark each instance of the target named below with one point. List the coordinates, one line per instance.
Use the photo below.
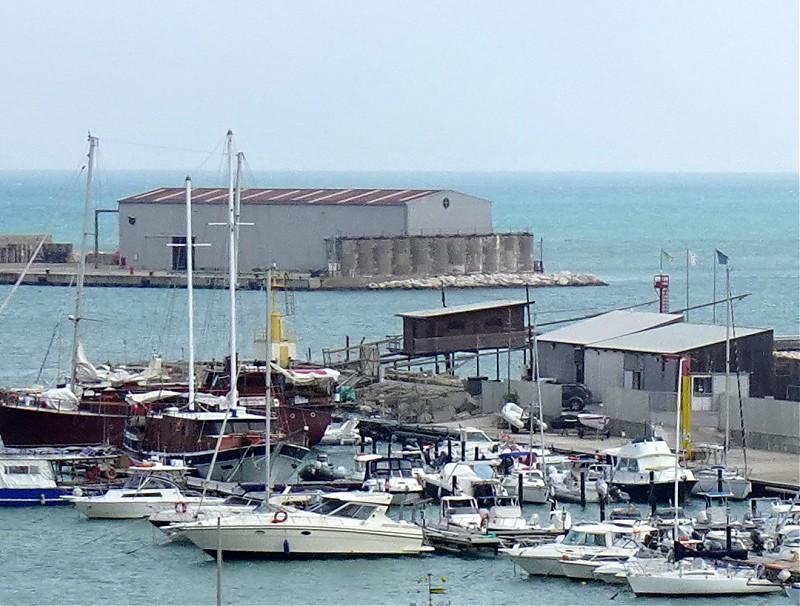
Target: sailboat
(223, 441)
(60, 416)
(693, 576)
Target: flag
(691, 258)
(666, 257)
(722, 259)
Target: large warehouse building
(294, 228)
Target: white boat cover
(26, 473)
(60, 398)
(86, 372)
(306, 376)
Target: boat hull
(27, 426)
(28, 497)
(663, 492)
(698, 583)
(301, 540)
(545, 566)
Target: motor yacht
(590, 545)
(338, 525)
(145, 493)
(645, 469)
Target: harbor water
(613, 226)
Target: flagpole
(687, 284)
(714, 295)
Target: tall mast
(82, 266)
(234, 375)
(682, 370)
(539, 398)
(268, 389)
(190, 287)
(726, 442)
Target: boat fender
(286, 549)
(484, 519)
(280, 517)
(180, 507)
(111, 473)
(42, 499)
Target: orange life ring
(180, 507)
(280, 516)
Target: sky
(584, 85)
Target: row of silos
(434, 255)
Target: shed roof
(674, 338)
(457, 309)
(342, 197)
(607, 326)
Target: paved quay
(772, 469)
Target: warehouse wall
(293, 237)
(449, 212)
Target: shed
(494, 325)
(561, 351)
(647, 360)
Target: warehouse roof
(674, 338)
(607, 326)
(345, 197)
(457, 309)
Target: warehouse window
(456, 325)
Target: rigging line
(166, 147)
(595, 314)
(738, 384)
(56, 330)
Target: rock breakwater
(564, 278)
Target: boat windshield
(140, 481)
(340, 509)
(485, 472)
(477, 436)
(576, 537)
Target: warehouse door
(179, 253)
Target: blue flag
(722, 259)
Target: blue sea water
(613, 226)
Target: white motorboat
(392, 475)
(339, 525)
(472, 478)
(594, 543)
(646, 470)
(534, 487)
(721, 479)
(695, 577)
(342, 434)
(184, 512)
(143, 494)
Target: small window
(633, 465)
(701, 386)
(456, 325)
(22, 470)
(493, 323)
(636, 379)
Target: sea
(624, 228)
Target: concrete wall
(769, 424)
(293, 237)
(459, 214)
(493, 391)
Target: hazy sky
(642, 85)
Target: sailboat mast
(726, 442)
(82, 266)
(190, 287)
(234, 375)
(682, 370)
(539, 400)
(268, 389)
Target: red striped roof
(358, 197)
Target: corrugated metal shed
(674, 338)
(608, 326)
(446, 311)
(341, 197)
